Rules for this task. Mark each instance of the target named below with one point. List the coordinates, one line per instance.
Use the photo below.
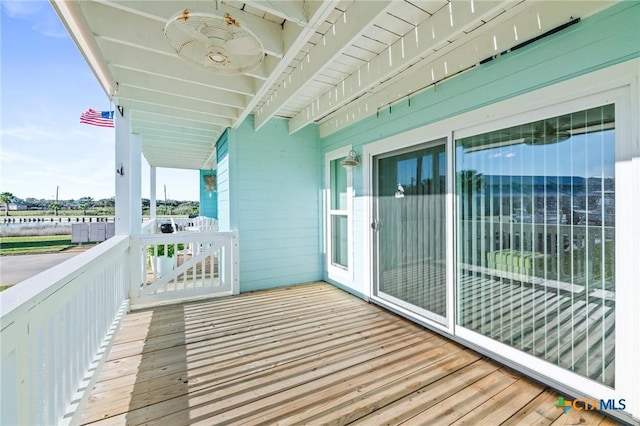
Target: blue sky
(45, 86)
(590, 155)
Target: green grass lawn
(34, 245)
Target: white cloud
(22, 9)
(8, 157)
(31, 133)
(51, 28)
(43, 20)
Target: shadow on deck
(309, 354)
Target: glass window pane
(411, 209)
(339, 239)
(338, 185)
(536, 222)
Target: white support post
(135, 210)
(152, 195)
(128, 186)
(123, 153)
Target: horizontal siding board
(292, 275)
(281, 224)
(295, 230)
(300, 263)
(265, 191)
(276, 213)
(299, 244)
(282, 255)
(278, 236)
(304, 262)
(258, 281)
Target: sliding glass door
(536, 239)
(410, 229)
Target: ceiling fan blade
(246, 45)
(193, 33)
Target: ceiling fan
(218, 43)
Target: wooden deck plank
(459, 404)
(500, 407)
(428, 396)
(575, 417)
(540, 411)
(308, 354)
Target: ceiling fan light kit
(219, 44)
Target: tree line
(90, 206)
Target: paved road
(15, 269)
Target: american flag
(97, 118)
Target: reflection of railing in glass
(578, 255)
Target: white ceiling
(329, 62)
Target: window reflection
(536, 218)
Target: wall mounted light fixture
(352, 160)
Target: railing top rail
(183, 237)
(149, 226)
(34, 290)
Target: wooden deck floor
(309, 354)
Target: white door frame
(443, 321)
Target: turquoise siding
(275, 180)
(597, 42)
(222, 146)
(208, 199)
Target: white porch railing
(54, 327)
(149, 226)
(183, 266)
(194, 224)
